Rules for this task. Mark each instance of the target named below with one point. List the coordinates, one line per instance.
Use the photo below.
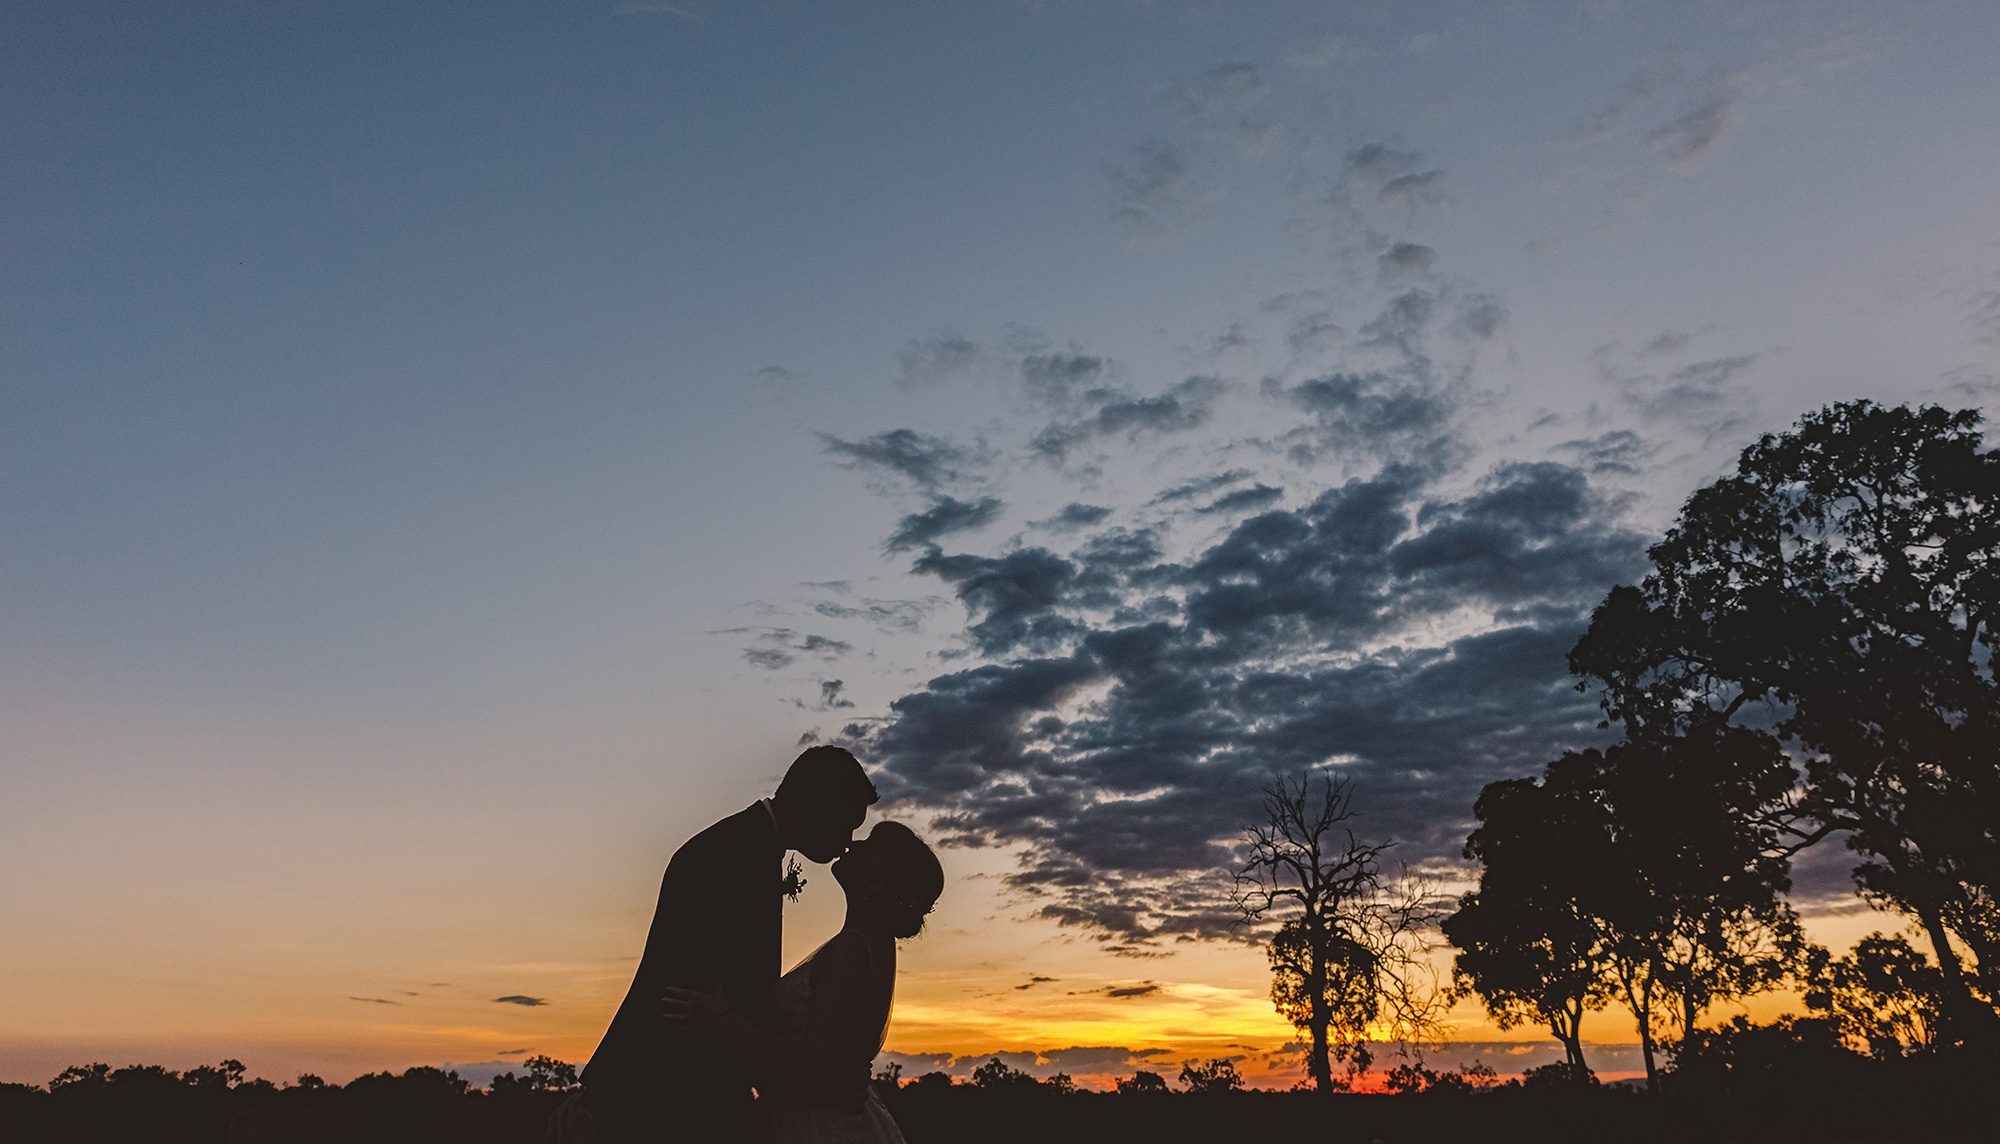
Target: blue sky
(434, 437)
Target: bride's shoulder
(848, 953)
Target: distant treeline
(1793, 1081)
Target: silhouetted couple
(708, 1016)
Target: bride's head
(892, 875)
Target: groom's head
(823, 799)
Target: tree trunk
(1573, 1048)
(1321, 1064)
(1639, 999)
(1965, 1019)
(1571, 1035)
(1646, 1047)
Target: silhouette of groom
(718, 922)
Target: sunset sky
(450, 453)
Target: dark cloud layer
(1130, 707)
(1128, 684)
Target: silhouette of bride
(832, 1010)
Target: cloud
(945, 516)
(938, 360)
(1302, 638)
(1983, 314)
(1111, 412)
(1401, 325)
(520, 999)
(375, 1000)
(1153, 182)
(1690, 141)
(1639, 91)
(1200, 486)
(1480, 316)
(1034, 981)
(1258, 496)
(886, 615)
(925, 461)
(1061, 379)
(781, 647)
(1145, 990)
(1419, 189)
(1403, 260)
(1375, 164)
(1620, 451)
(1075, 515)
(1375, 413)
(1313, 333)
(1234, 337)
(1697, 395)
(1668, 341)
(830, 697)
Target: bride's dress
(782, 1120)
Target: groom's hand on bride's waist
(695, 1010)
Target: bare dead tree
(1349, 953)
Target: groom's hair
(827, 774)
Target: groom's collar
(772, 813)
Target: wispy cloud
(1688, 142)
(637, 7)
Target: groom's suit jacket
(718, 922)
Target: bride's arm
(828, 1063)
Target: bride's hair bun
(911, 882)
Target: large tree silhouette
(1528, 945)
(1842, 587)
(1683, 879)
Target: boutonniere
(793, 881)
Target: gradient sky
(449, 454)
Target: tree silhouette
(1884, 994)
(1345, 956)
(1211, 1077)
(1644, 863)
(1844, 583)
(996, 1074)
(1528, 944)
(80, 1077)
(1687, 880)
(1143, 1083)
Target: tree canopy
(1839, 591)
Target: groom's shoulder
(745, 827)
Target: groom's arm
(750, 943)
(718, 919)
